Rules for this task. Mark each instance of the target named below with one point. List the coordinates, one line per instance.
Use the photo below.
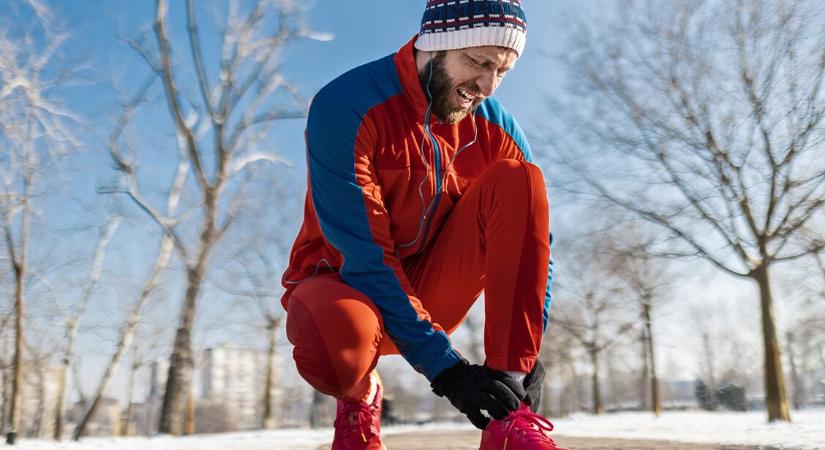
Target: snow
(297, 439)
(292, 439)
(807, 431)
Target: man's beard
(441, 88)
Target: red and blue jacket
(367, 138)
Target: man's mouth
(466, 98)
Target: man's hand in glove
(532, 385)
(472, 388)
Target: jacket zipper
(437, 161)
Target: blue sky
(364, 30)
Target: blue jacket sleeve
(348, 203)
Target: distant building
(231, 388)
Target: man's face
(461, 79)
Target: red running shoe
(521, 430)
(358, 424)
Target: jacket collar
(408, 72)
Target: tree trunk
(189, 425)
(71, 331)
(805, 368)
(74, 322)
(181, 363)
(81, 397)
(153, 397)
(776, 400)
(126, 337)
(58, 406)
(37, 421)
(644, 376)
(268, 421)
(4, 385)
(598, 406)
(711, 372)
(126, 422)
(656, 401)
(795, 378)
(19, 276)
(611, 395)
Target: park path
(468, 440)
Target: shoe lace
(530, 426)
(357, 419)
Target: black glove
(532, 385)
(471, 388)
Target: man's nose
(487, 84)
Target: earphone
(425, 210)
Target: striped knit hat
(454, 24)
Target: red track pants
(496, 239)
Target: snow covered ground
(806, 432)
(294, 439)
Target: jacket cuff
(450, 359)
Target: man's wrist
(450, 359)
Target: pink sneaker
(521, 430)
(358, 425)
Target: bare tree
(806, 333)
(219, 132)
(137, 363)
(161, 261)
(710, 370)
(256, 279)
(814, 324)
(590, 310)
(33, 133)
(127, 335)
(705, 119)
(74, 320)
(796, 379)
(649, 284)
(252, 273)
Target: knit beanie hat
(454, 24)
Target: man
(421, 195)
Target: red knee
(336, 339)
(513, 170)
(513, 178)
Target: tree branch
(197, 56)
(172, 96)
